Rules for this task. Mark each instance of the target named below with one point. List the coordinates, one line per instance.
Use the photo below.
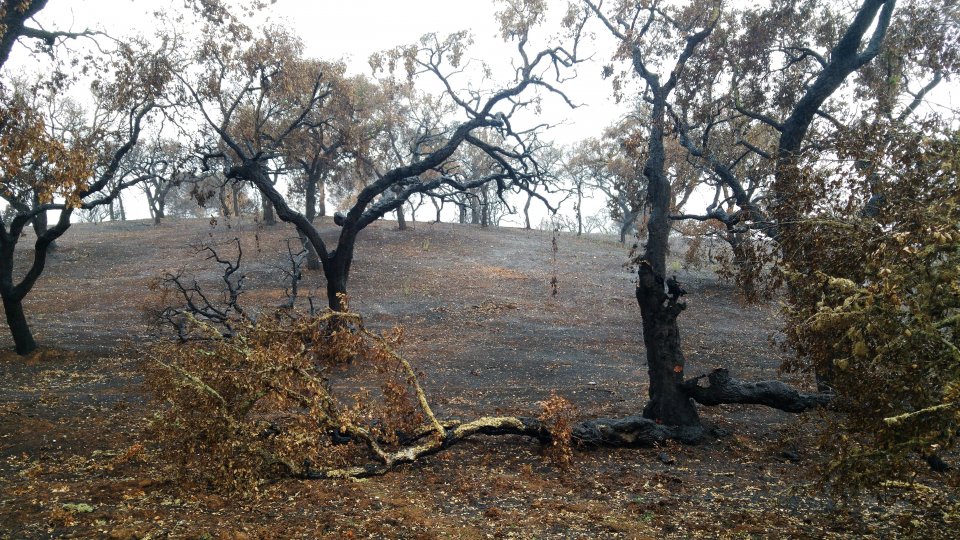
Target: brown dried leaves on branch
(234, 411)
(875, 307)
(558, 416)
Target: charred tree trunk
(14, 293)
(668, 404)
(269, 217)
(484, 209)
(235, 190)
(313, 260)
(22, 336)
(475, 210)
(401, 221)
(722, 388)
(337, 272)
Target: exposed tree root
(724, 389)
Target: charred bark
(269, 218)
(336, 270)
(19, 328)
(668, 404)
(313, 260)
(633, 431)
(724, 389)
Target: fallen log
(724, 389)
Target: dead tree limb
(724, 389)
(196, 305)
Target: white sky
(354, 29)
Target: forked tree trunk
(40, 226)
(336, 270)
(668, 404)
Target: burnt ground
(483, 325)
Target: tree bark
(22, 336)
(526, 212)
(475, 210)
(484, 209)
(668, 404)
(401, 221)
(313, 260)
(661, 335)
(40, 225)
(222, 197)
(337, 272)
(438, 206)
(161, 212)
(625, 227)
(723, 389)
(235, 202)
(269, 218)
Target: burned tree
(247, 109)
(60, 170)
(671, 398)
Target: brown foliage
(233, 412)
(558, 416)
(874, 304)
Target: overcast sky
(354, 29)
